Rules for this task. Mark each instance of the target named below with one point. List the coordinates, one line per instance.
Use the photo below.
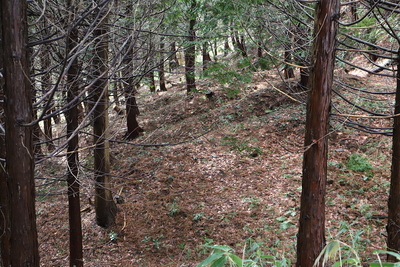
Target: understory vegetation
(226, 188)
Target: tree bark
(152, 83)
(21, 215)
(206, 56)
(288, 71)
(4, 202)
(161, 69)
(104, 203)
(226, 48)
(393, 226)
(311, 235)
(132, 111)
(173, 59)
(190, 52)
(46, 80)
(71, 115)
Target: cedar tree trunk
(393, 226)
(311, 236)
(46, 80)
(190, 52)
(71, 115)
(21, 214)
(206, 56)
(173, 59)
(161, 72)
(5, 237)
(104, 203)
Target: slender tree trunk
(104, 203)
(190, 52)
(4, 201)
(19, 148)
(161, 72)
(173, 59)
(353, 11)
(242, 46)
(71, 115)
(288, 70)
(206, 56)
(393, 226)
(132, 111)
(260, 50)
(46, 79)
(152, 83)
(302, 60)
(227, 48)
(311, 236)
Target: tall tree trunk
(151, 80)
(161, 71)
(242, 46)
(311, 235)
(393, 226)
(190, 52)
(288, 70)
(173, 59)
(46, 80)
(227, 48)
(104, 203)
(132, 111)
(206, 56)
(4, 201)
(19, 148)
(260, 50)
(71, 115)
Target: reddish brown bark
(21, 215)
(4, 205)
(72, 114)
(105, 206)
(190, 53)
(132, 111)
(206, 56)
(393, 226)
(161, 72)
(173, 59)
(46, 81)
(288, 71)
(311, 236)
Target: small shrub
(358, 163)
(174, 207)
(241, 146)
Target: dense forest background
(199, 133)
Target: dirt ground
(222, 171)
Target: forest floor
(227, 171)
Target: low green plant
(338, 254)
(156, 242)
(252, 256)
(241, 146)
(358, 163)
(198, 217)
(229, 76)
(334, 250)
(253, 201)
(220, 255)
(173, 207)
(113, 236)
